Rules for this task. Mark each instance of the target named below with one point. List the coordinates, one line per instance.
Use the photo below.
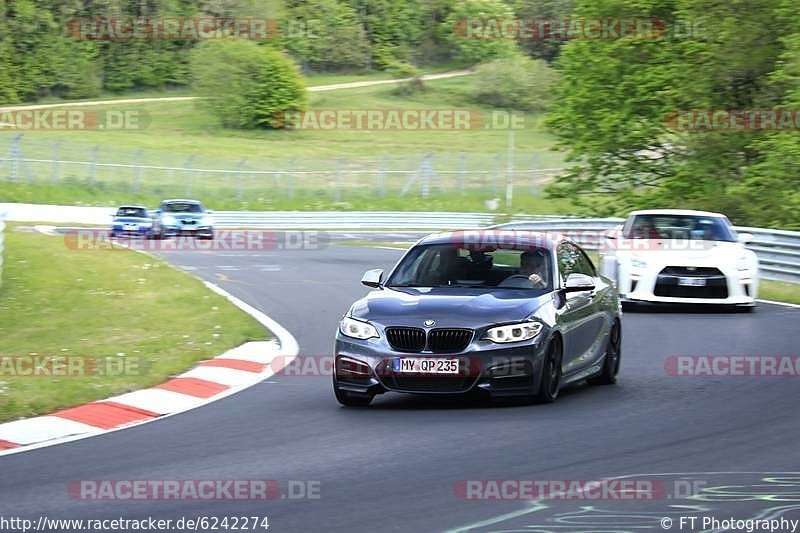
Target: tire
(608, 376)
(550, 382)
(348, 399)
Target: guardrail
(778, 251)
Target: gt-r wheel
(608, 376)
(348, 399)
(550, 383)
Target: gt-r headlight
(743, 263)
(357, 329)
(521, 331)
(169, 220)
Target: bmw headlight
(357, 329)
(521, 331)
(169, 220)
(637, 262)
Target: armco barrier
(778, 251)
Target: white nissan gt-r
(680, 256)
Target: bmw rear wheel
(608, 376)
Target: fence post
(93, 166)
(56, 159)
(426, 175)
(15, 154)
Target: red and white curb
(209, 381)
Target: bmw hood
(448, 307)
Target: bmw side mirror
(579, 283)
(373, 278)
(209, 211)
(745, 238)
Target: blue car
(458, 316)
(132, 221)
(183, 217)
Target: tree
(516, 82)
(246, 85)
(482, 45)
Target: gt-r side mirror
(744, 238)
(373, 278)
(579, 283)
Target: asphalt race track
(394, 466)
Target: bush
(246, 85)
(478, 49)
(516, 82)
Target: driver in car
(533, 265)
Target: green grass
(98, 304)
(180, 130)
(779, 291)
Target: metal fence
(2, 233)
(46, 161)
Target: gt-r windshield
(682, 227)
(449, 265)
(183, 208)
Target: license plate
(692, 282)
(419, 365)
(131, 227)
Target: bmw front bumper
(484, 367)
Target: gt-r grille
(691, 271)
(415, 340)
(449, 340)
(406, 339)
(715, 284)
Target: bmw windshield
(449, 265)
